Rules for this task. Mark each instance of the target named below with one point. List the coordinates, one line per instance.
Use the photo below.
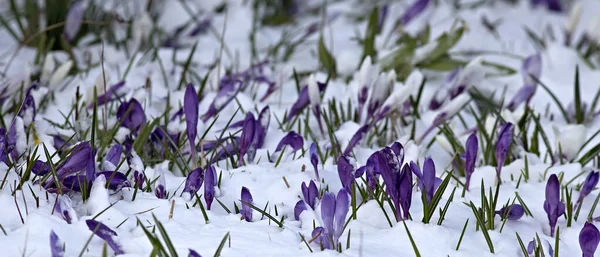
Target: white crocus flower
(99, 85)
(141, 27)
(456, 105)
(569, 139)
(59, 75)
(367, 73)
(444, 143)
(47, 68)
(472, 74)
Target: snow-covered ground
(156, 76)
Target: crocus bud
(470, 157)
(190, 107)
(314, 158)
(413, 11)
(246, 210)
(210, 182)
(310, 194)
(552, 205)
(588, 185)
(589, 237)
(503, 145)
(64, 209)
(59, 74)
(193, 182)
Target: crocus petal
(117, 180)
(588, 185)
(193, 182)
(511, 212)
(532, 66)
(262, 126)
(292, 139)
(193, 253)
(303, 101)
(247, 138)
(298, 209)
(190, 108)
(64, 209)
(106, 234)
(224, 97)
(360, 133)
(470, 157)
(139, 178)
(429, 178)
(246, 210)
(552, 205)
(442, 94)
(413, 11)
(589, 237)
(314, 158)
(74, 19)
(328, 211)
(345, 170)
(114, 154)
(210, 182)
(405, 190)
(342, 205)
(503, 145)
(56, 246)
(132, 116)
(160, 189)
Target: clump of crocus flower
(333, 215)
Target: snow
(369, 233)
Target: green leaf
(326, 59)
(444, 63)
(142, 139)
(443, 44)
(369, 42)
(579, 117)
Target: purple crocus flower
(246, 210)
(107, 96)
(74, 19)
(27, 110)
(371, 171)
(247, 139)
(310, 193)
(360, 133)
(388, 166)
(314, 158)
(442, 95)
(160, 189)
(588, 185)
(4, 146)
(333, 214)
(552, 205)
(262, 126)
(303, 101)
(210, 182)
(589, 237)
(193, 182)
(552, 5)
(132, 116)
(405, 191)
(298, 209)
(106, 234)
(64, 209)
(511, 212)
(412, 12)
(429, 181)
(470, 158)
(11, 138)
(193, 253)
(524, 95)
(346, 172)
(314, 95)
(533, 245)
(503, 145)
(139, 178)
(56, 246)
(190, 107)
(225, 95)
(532, 67)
